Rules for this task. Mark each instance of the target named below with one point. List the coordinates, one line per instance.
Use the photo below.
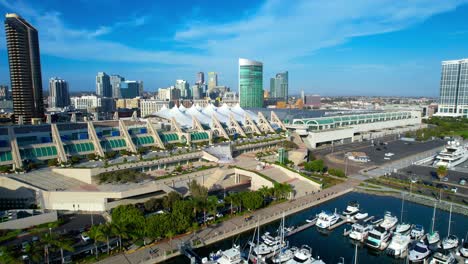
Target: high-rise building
(130, 89)
(25, 69)
(59, 95)
(212, 80)
(250, 83)
(197, 91)
(200, 78)
(103, 85)
(93, 103)
(279, 86)
(4, 92)
(115, 81)
(454, 88)
(184, 88)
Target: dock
(302, 228)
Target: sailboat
(451, 241)
(402, 227)
(285, 253)
(433, 237)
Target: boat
(229, 256)
(417, 232)
(452, 155)
(326, 219)
(377, 238)
(352, 208)
(433, 237)
(361, 216)
(451, 241)
(304, 256)
(402, 227)
(284, 255)
(464, 249)
(360, 231)
(311, 219)
(269, 245)
(419, 252)
(441, 258)
(398, 245)
(389, 221)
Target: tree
(131, 218)
(106, 232)
(52, 162)
(6, 256)
(33, 251)
(197, 191)
(119, 229)
(157, 225)
(64, 243)
(181, 216)
(442, 172)
(152, 204)
(169, 200)
(315, 166)
(92, 156)
(48, 240)
(252, 200)
(96, 234)
(265, 192)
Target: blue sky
(360, 47)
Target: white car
(85, 237)
(454, 189)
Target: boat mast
(355, 254)
(433, 217)
(402, 203)
(450, 220)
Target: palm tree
(265, 192)
(6, 256)
(64, 244)
(95, 233)
(106, 231)
(48, 240)
(120, 230)
(442, 171)
(34, 250)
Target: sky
(342, 47)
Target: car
(462, 182)
(219, 215)
(445, 179)
(209, 218)
(248, 218)
(445, 187)
(85, 237)
(454, 189)
(35, 238)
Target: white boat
(352, 208)
(464, 249)
(269, 245)
(398, 245)
(389, 221)
(229, 256)
(433, 237)
(326, 219)
(419, 252)
(417, 232)
(453, 154)
(359, 231)
(304, 256)
(285, 255)
(451, 241)
(440, 258)
(377, 238)
(402, 228)
(361, 216)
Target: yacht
(326, 219)
(453, 154)
(389, 221)
(419, 252)
(284, 255)
(402, 228)
(433, 237)
(359, 231)
(451, 241)
(229, 256)
(269, 245)
(398, 245)
(377, 238)
(441, 258)
(304, 256)
(352, 208)
(361, 216)
(417, 232)
(464, 249)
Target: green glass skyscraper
(250, 83)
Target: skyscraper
(250, 83)
(212, 80)
(200, 78)
(4, 93)
(25, 68)
(454, 88)
(279, 86)
(59, 95)
(183, 86)
(103, 85)
(130, 89)
(115, 81)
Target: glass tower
(279, 86)
(454, 88)
(250, 83)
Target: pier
(302, 228)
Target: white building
(183, 86)
(149, 106)
(454, 88)
(87, 102)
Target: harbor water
(332, 246)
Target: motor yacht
(229, 256)
(464, 249)
(360, 231)
(417, 232)
(361, 216)
(352, 208)
(389, 221)
(402, 228)
(284, 255)
(419, 252)
(378, 238)
(304, 256)
(326, 219)
(398, 245)
(452, 155)
(450, 242)
(441, 258)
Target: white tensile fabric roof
(184, 115)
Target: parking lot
(400, 149)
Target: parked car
(454, 189)
(445, 179)
(462, 182)
(85, 237)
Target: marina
(330, 246)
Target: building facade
(312, 100)
(115, 81)
(130, 89)
(197, 91)
(454, 89)
(184, 88)
(150, 106)
(4, 92)
(103, 85)
(279, 86)
(59, 95)
(25, 69)
(250, 83)
(133, 103)
(200, 78)
(212, 80)
(93, 103)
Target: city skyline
(391, 53)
